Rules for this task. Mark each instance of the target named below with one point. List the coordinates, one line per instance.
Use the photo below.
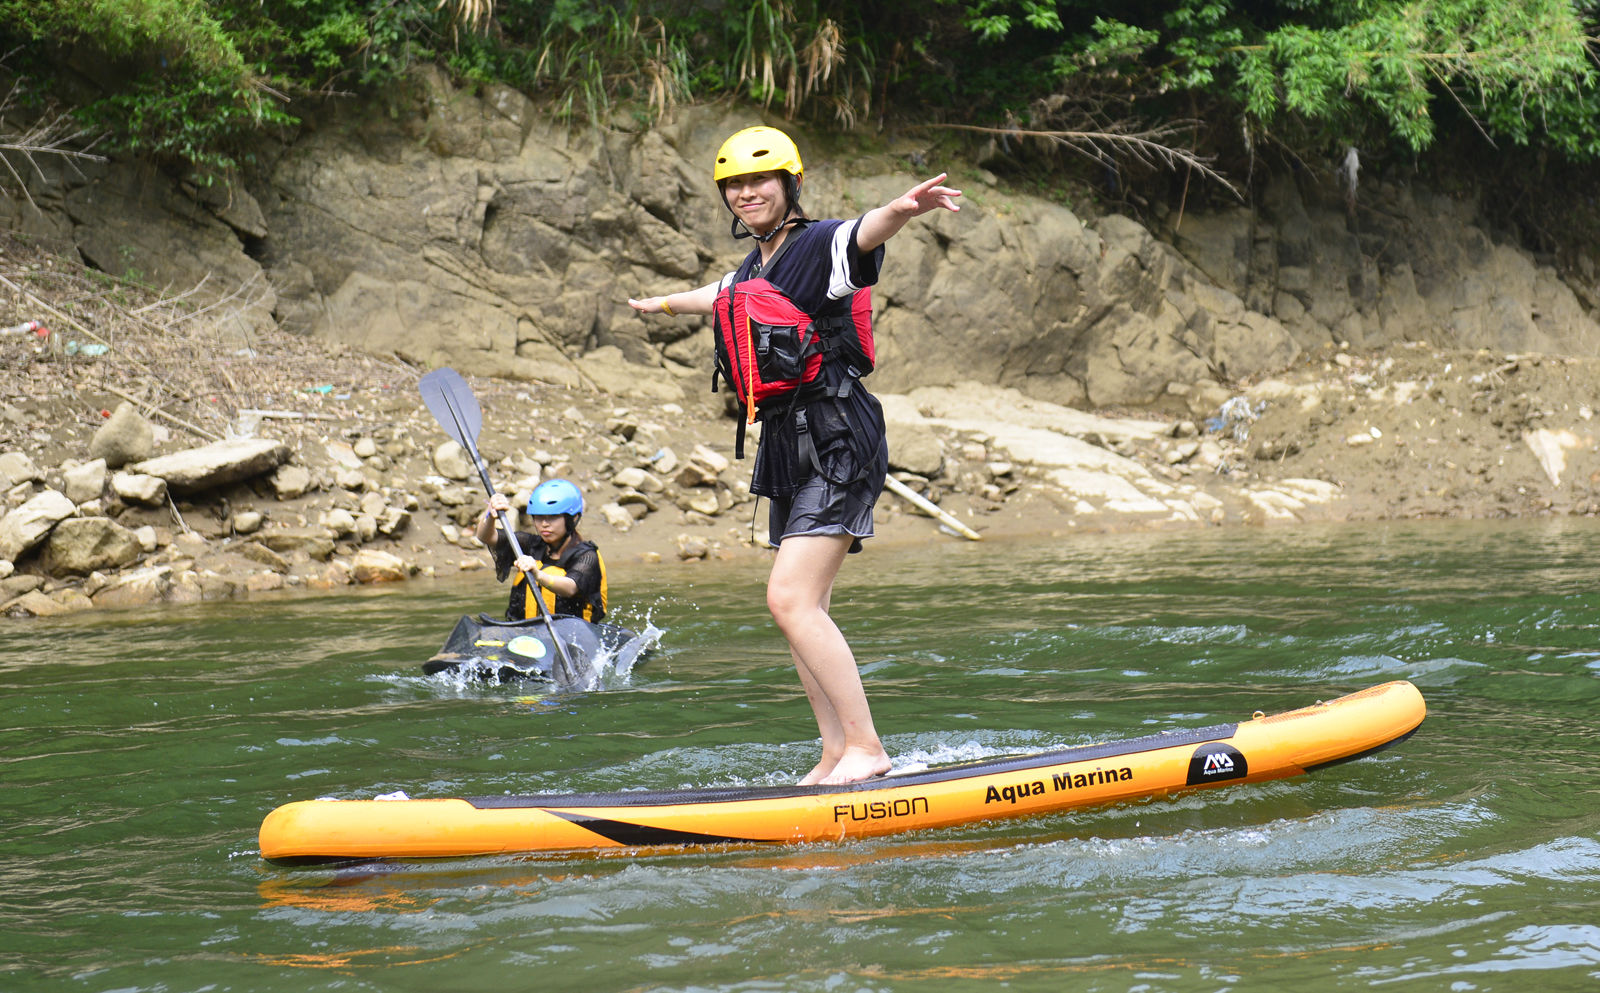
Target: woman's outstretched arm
(695, 301)
(880, 224)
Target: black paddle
(452, 404)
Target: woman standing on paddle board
(793, 339)
(567, 570)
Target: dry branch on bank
(177, 356)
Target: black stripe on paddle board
(942, 774)
(643, 835)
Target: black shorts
(821, 506)
(822, 465)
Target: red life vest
(767, 347)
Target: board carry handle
(453, 405)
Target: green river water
(140, 750)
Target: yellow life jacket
(590, 608)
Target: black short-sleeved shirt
(818, 265)
(820, 268)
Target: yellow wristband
(667, 309)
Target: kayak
(1154, 766)
(497, 650)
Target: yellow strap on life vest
(530, 609)
(750, 372)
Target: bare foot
(856, 765)
(821, 769)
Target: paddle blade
(452, 404)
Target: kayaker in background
(822, 456)
(568, 570)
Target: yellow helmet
(757, 149)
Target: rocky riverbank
(339, 476)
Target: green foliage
(1498, 62)
(176, 30)
(196, 80)
(1343, 70)
(992, 20)
(596, 55)
(201, 124)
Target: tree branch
(1148, 146)
(47, 135)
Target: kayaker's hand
(499, 503)
(530, 567)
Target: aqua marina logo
(1216, 762)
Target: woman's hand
(880, 224)
(926, 196)
(653, 304)
(488, 524)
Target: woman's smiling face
(757, 198)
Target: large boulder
(36, 604)
(150, 584)
(80, 545)
(372, 565)
(126, 437)
(216, 464)
(26, 526)
(15, 468)
(84, 482)
(139, 488)
(913, 446)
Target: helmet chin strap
(742, 230)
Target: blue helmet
(555, 496)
